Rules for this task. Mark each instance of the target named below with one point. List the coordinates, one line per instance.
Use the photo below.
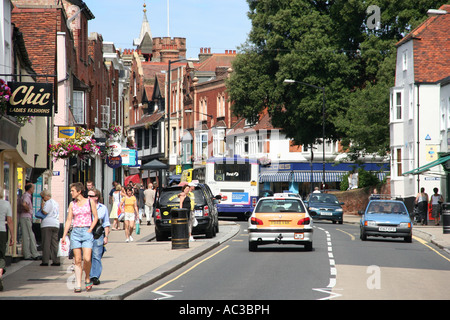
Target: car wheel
(408, 239)
(161, 236)
(210, 232)
(309, 246)
(252, 246)
(363, 236)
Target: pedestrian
(422, 205)
(98, 248)
(436, 202)
(141, 201)
(49, 229)
(113, 189)
(117, 196)
(131, 213)
(89, 186)
(5, 214)
(185, 203)
(29, 247)
(83, 216)
(149, 197)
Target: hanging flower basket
(5, 94)
(83, 146)
(114, 132)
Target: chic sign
(30, 99)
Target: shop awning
(301, 176)
(428, 166)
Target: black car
(205, 211)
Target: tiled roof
(217, 60)
(431, 45)
(148, 119)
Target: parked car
(386, 218)
(282, 220)
(325, 206)
(205, 211)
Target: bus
(236, 180)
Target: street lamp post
(323, 122)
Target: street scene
(300, 153)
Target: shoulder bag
(98, 229)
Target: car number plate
(325, 213)
(198, 213)
(299, 236)
(387, 229)
(279, 222)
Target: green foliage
(367, 179)
(326, 44)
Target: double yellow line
(429, 247)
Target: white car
(282, 220)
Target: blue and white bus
(236, 180)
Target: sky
(217, 24)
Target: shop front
(303, 177)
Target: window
(399, 162)
(78, 107)
(106, 113)
(232, 171)
(398, 106)
(218, 142)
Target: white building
(419, 107)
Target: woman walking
(80, 214)
(5, 214)
(131, 213)
(422, 205)
(117, 196)
(185, 203)
(49, 229)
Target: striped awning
(305, 176)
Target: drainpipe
(418, 135)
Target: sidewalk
(430, 233)
(127, 267)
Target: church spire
(145, 30)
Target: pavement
(129, 267)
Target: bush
(367, 179)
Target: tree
(327, 44)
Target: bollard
(445, 217)
(180, 229)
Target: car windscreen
(171, 198)
(280, 205)
(323, 198)
(386, 207)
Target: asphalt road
(341, 266)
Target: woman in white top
(422, 205)
(436, 200)
(117, 196)
(49, 229)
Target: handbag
(121, 212)
(40, 215)
(98, 229)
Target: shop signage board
(30, 99)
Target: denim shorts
(80, 238)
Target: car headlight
(370, 223)
(313, 209)
(405, 225)
(339, 210)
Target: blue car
(325, 206)
(386, 218)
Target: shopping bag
(138, 227)
(64, 248)
(121, 212)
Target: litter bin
(446, 217)
(180, 229)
